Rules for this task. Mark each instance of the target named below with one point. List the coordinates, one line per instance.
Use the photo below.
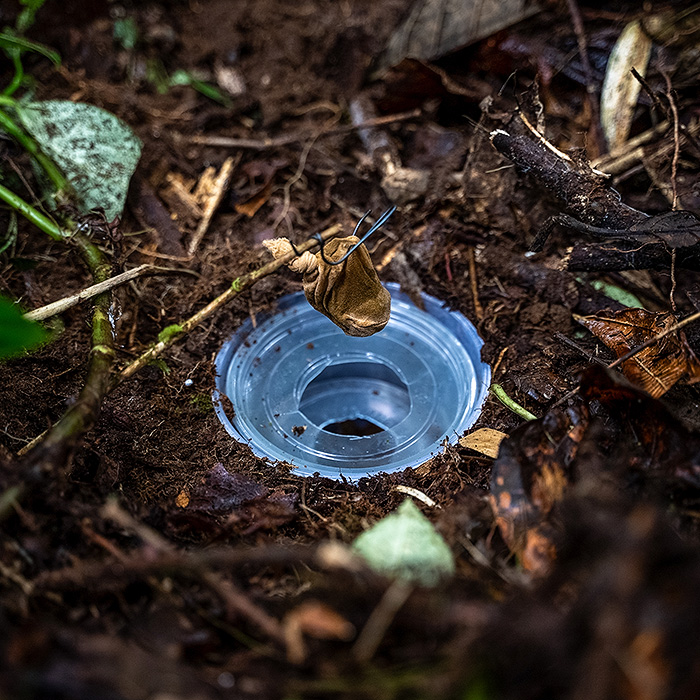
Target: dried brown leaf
(655, 368)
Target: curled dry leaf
(434, 27)
(621, 435)
(349, 294)
(227, 499)
(656, 368)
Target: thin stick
(61, 305)
(220, 185)
(676, 139)
(236, 600)
(576, 18)
(262, 144)
(237, 286)
(474, 283)
(380, 619)
(633, 151)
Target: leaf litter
(579, 561)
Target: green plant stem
(52, 448)
(237, 286)
(19, 73)
(498, 391)
(52, 171)
(49, 227)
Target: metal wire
(375, 227)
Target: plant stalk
(53, 172)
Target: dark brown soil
(629, 550)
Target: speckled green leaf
(96, 151)
(405, 545)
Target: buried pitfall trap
(303, 392)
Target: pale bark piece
(487, 441)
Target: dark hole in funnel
(356, 399)
(355, 426)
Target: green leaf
(96, 151)
(616, 293)
(10, 41)
(126, 32)
(17, 335)
(169, 332)
(183, 77)
(406, 545)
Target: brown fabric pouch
(350, 294)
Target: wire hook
(375, 226)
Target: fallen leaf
(529, 477)
(259, 192)
(405, 545)
(434, 27)
(225, 500)
(251, 206)
(485, 440)
(655, 368)
(618, 98)
(221, 491)
(96, 150)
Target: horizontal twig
(61, 305)
(284, 140)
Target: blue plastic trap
(305, 393)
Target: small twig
(588, 73)
(474, 283)
(632, 153)
(498, 391)
(262, 144)
(573, 344)
(237, 286)
(647, 89)
(58, 307)
(220, 185)
(111, 574)
(419, 495)
(676, 138)
(380, 619)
